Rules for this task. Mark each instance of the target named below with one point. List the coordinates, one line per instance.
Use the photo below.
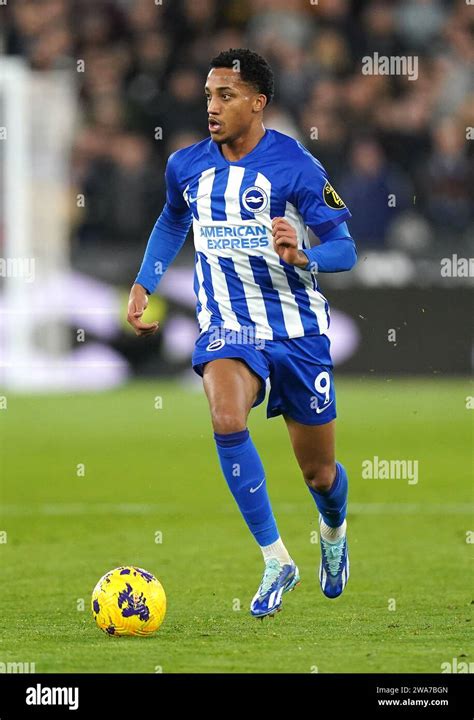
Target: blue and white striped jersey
(240, 281)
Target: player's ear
(259, 103)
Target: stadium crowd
(140, 67)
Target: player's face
(232, 105)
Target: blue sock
(245, 477)
(333, 504)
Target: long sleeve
(166, 240)
(336, 253)
(324, 211)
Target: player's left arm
(323, 211)
(336, 253)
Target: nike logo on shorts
(322, 409)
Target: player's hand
(285, 243)
(137, 304)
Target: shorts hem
(198, 368)
(303, 421)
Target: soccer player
(251, 194)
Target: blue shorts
(299, 370)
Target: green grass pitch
(407, 607)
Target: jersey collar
(261, 145)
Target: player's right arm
(137, 303)
(165, 241)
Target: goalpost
(37, 112)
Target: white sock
(276, 550)
(332, 534)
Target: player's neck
(238, 148)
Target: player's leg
(326, 479)
(232, 389)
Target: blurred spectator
(111, 167)
(325, 131)
(278, 119)
(447, 180)
(53, 49)
(278, 21)
(331, 54)
(182, 139)
(419, 23)
(380, 29)
(142, 17)
(455, 63)
(193, 20)
(182, 105)
(374, 191)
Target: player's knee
(225, 422)
(319, 476)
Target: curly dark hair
(254, 69)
